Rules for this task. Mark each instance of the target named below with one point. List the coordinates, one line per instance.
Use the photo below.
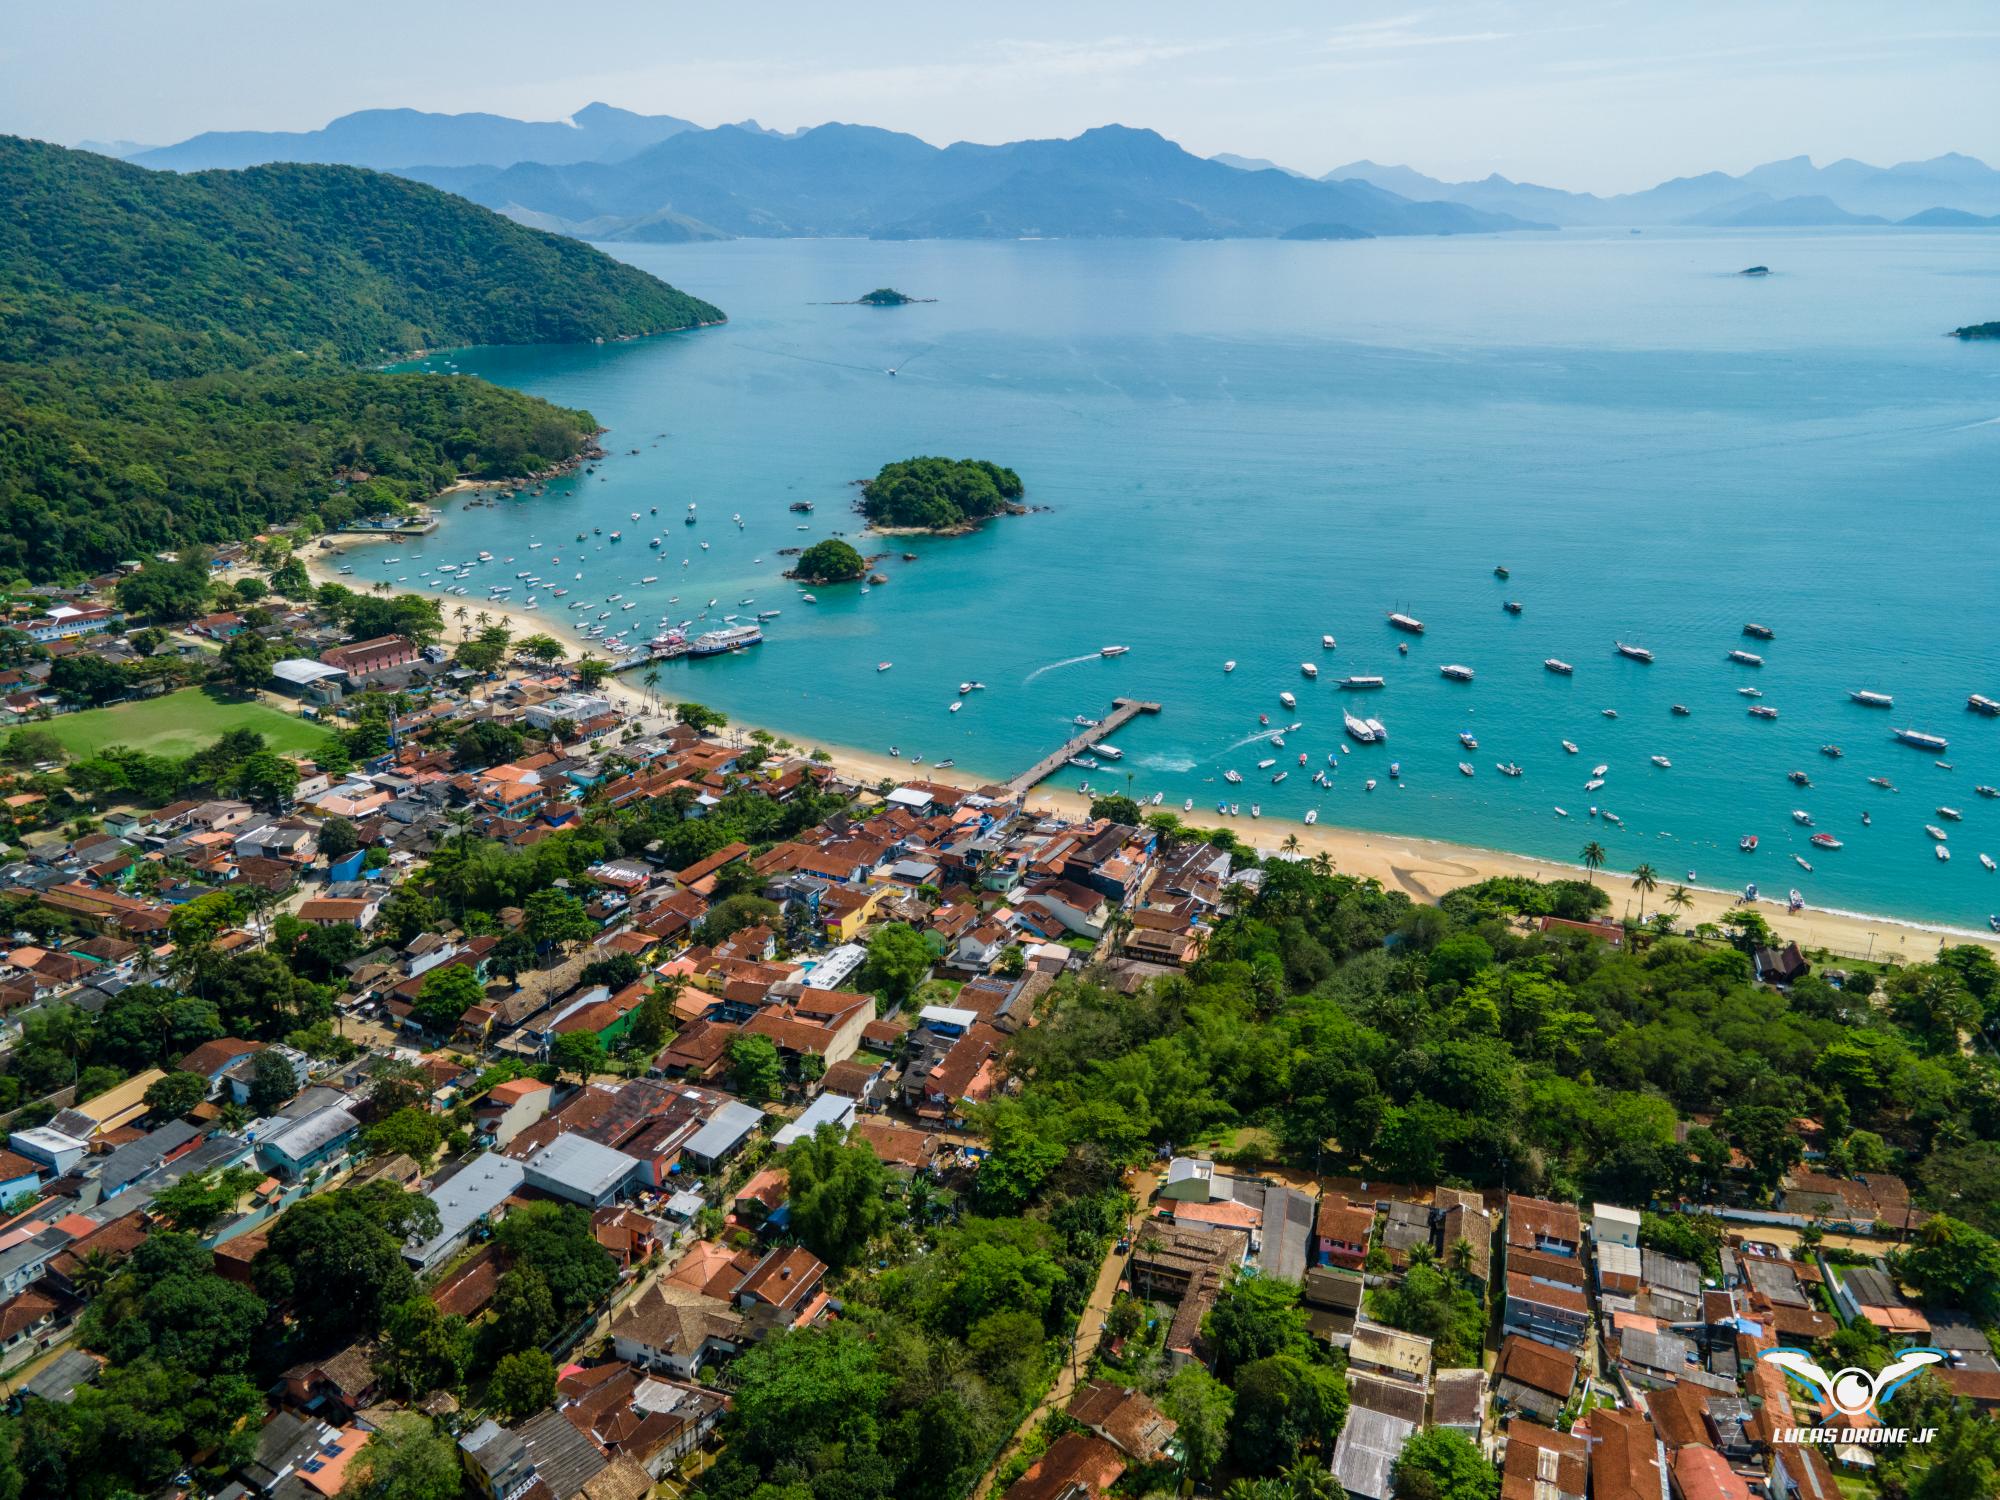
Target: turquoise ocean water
(1245, 445)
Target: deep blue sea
(1244, 445)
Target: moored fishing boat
(1408, 623)
(1634, 653)
(1558, 666)
(1456, 672)
(1922, 741)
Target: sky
(1605, 96)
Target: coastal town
(460, 1066)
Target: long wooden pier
(1123, 712)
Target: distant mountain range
(1950, 190)
(610, 174)
(857, 180)
(392, 139)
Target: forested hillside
(180, 351)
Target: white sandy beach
(1424, 868)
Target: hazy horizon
(1602, 98)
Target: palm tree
(459, 615)
(652, 681)
(93, 1271)
(1645, 880)
(1680, 898)
(482, 619)
(1291, 843)
(1593, 858)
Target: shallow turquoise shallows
(1243, 446)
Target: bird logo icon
(1853, 1392)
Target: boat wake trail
(1248, 739)
(1069, 661)
(1167, 762)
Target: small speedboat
(1826, 841)
(1309, 669)
(1987, 860)
(1312, 816)
(1798, 778)
(1883, 782)
(1512, 606)
(1987, 791)
(1558, 666)
(1508, 768)
(1936, 832)
(1599, 770)
(1748, 843)
(1759, 711)
(1663, 763)
(1681, 710)
(1465, 738)
(1465, 767)
(1229, 666)
(1288, 700)
(1942, 853)
(1609, 713)
(883, 666)
(1188, 806)
(1800, 861)
(1368, 785)
(1950, 814)
(1831, 752)
(1327, 642)
(1802, 817)
(1593, 784)
(1562, 812)
(1569, 745)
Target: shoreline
(1423, 868)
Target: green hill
(182, 355)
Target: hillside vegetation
(180, 353)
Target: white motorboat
(1112, 650)
(1569, 745)
(1465, 768)
(1288, 700)
(1327, 642)
(1229, 666)
(1456, 672)
(1309, 669)
(1663, 763)
(1558, 666)
(1312, 816)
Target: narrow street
(1089, 1328)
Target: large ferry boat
(1636, 653)
(1456, 672)
(731, 638)
(1367, 731)
(1872, 700)
(1354, 684)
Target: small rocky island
(885, 296)
(944, 496)
(1977, 331)
(1755, 271)
(830, 561)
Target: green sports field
(179, 724)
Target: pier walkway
(1123, 712)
